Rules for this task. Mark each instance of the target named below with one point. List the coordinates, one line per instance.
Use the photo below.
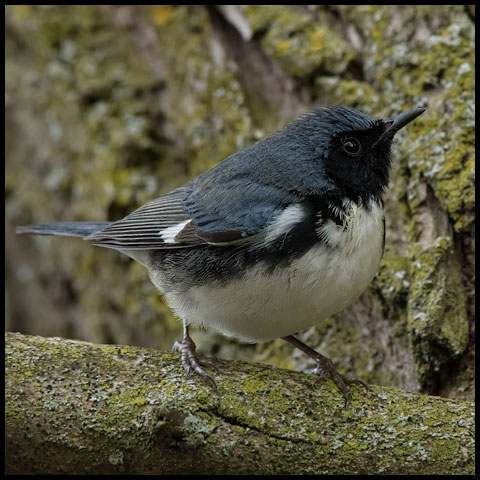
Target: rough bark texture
(108, 107)
(75, 407)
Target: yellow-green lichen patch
(437, 71)
(437, 322)
(109, 418)
(354, 93)
(101, 122)
(441, 146)
(205, 102)
(441, 151)
(301, 46)
(393, 279)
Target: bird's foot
(326, 369)
(191, 361)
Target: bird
(270, 241)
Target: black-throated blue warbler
(273, 239)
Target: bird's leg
(326, 369)
(190, 359)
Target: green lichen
(300, 46)
(392, 281)
(104, 148)
(289, 423)
(354, 93)
(440, 145)
(206, 102)
(449, 165)
(436, 321)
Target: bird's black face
(358, 163)
(358, 159)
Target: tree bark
(74, 407)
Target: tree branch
(75, 407)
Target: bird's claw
(191, 361)
(326, 369)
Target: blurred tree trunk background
(108, 107)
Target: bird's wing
(153, 225)
(191, 216)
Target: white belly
(261, 307)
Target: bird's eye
(352, 146)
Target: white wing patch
(168, 234)
(284, 222)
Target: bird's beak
(393, 125)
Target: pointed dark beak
(393, 125)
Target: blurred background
(108, 107)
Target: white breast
(325, 280)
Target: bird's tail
(66, 229)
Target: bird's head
(352, 148)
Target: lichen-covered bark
(74, 407)
(108, 107)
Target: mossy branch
(74, 407)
